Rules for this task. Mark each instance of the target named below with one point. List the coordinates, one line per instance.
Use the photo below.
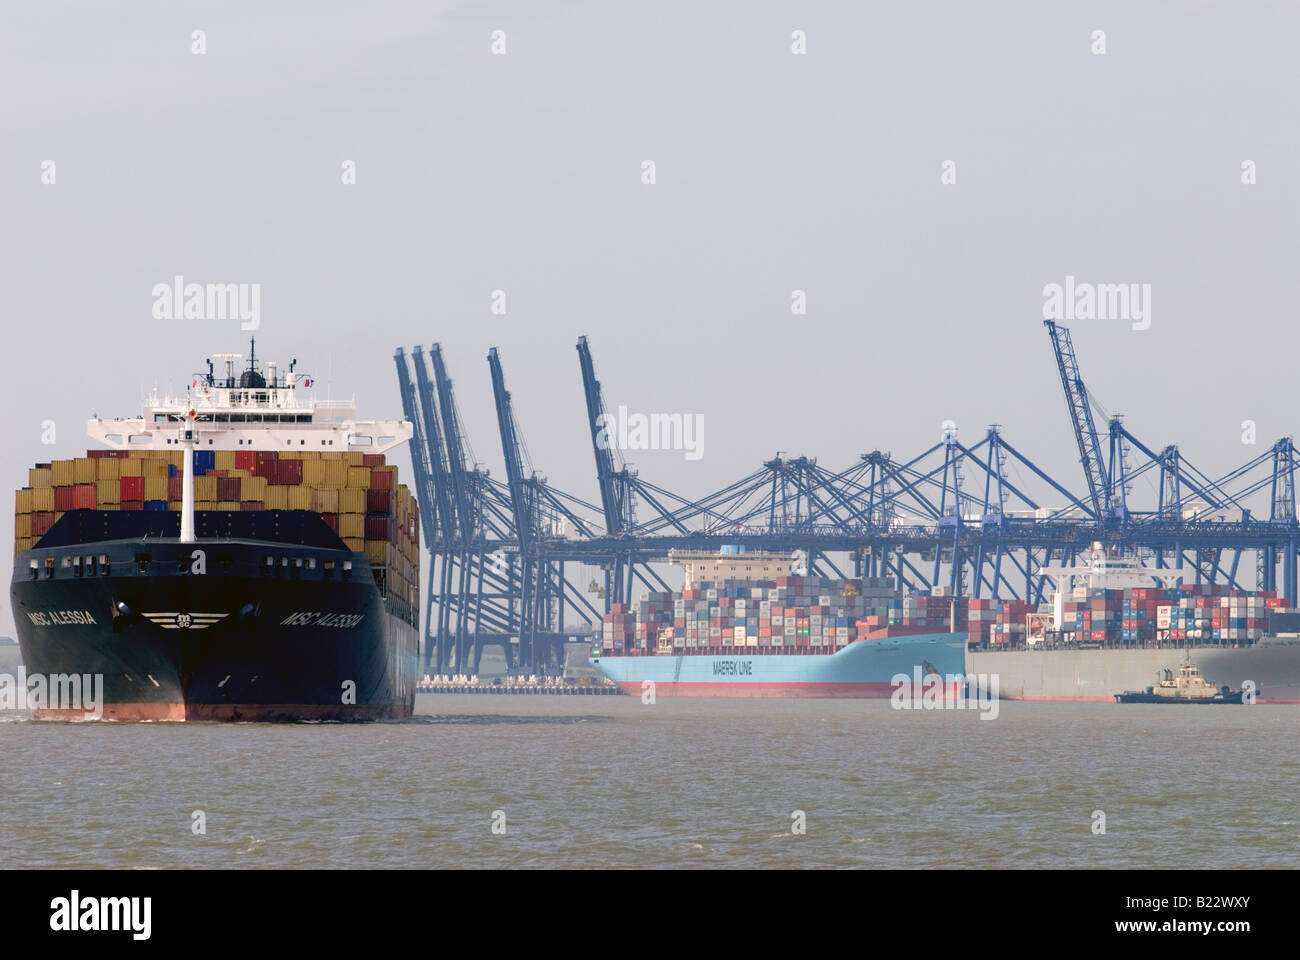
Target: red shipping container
(376, 527)
(228, 488)
(131, 490)
(372, 459)
(174, 488)
(379, 501)
(131, 505)
(64, 497)
(42, 520)
(85, 497)
(331, 521)
(381, 480)
(287, 473)
(246, 460)
(251, 505)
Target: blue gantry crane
(965, 518)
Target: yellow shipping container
(311, 455)
(40, 478)
(228, 505)
(155, 488)
(225, 460)
(326, 500)
(65, 472)
(354, 544)
(359, 477)
(277, 497)
(84, 469)
(377, 551)
(300, 497)
(336, 474)
(354, 458)
(240, 473)
(153, 469)
(254, 488)
(43, 499)
(108, 491)
(107, 468)
(22, 525)
(313, 472)
(23, 501)
(352, 525)
(58, 515)
(24, 543)
(114, 507)
(290, 455)
(205, 504)
(352, 500)
(205, 488)
(330, 455)
(130, 467)
(174, 505)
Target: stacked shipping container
(356, 494)
(797, 612)
(823, 614)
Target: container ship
(787, 636)
(238, 553)
(751, 634)
(1114, 625)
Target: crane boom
(1085, 431)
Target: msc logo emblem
(186, 621)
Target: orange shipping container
(84, 498)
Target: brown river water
(495, 781)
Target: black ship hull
(256, 631)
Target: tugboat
(1188, 687)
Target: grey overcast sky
(775, 172)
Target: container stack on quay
(356, 494)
